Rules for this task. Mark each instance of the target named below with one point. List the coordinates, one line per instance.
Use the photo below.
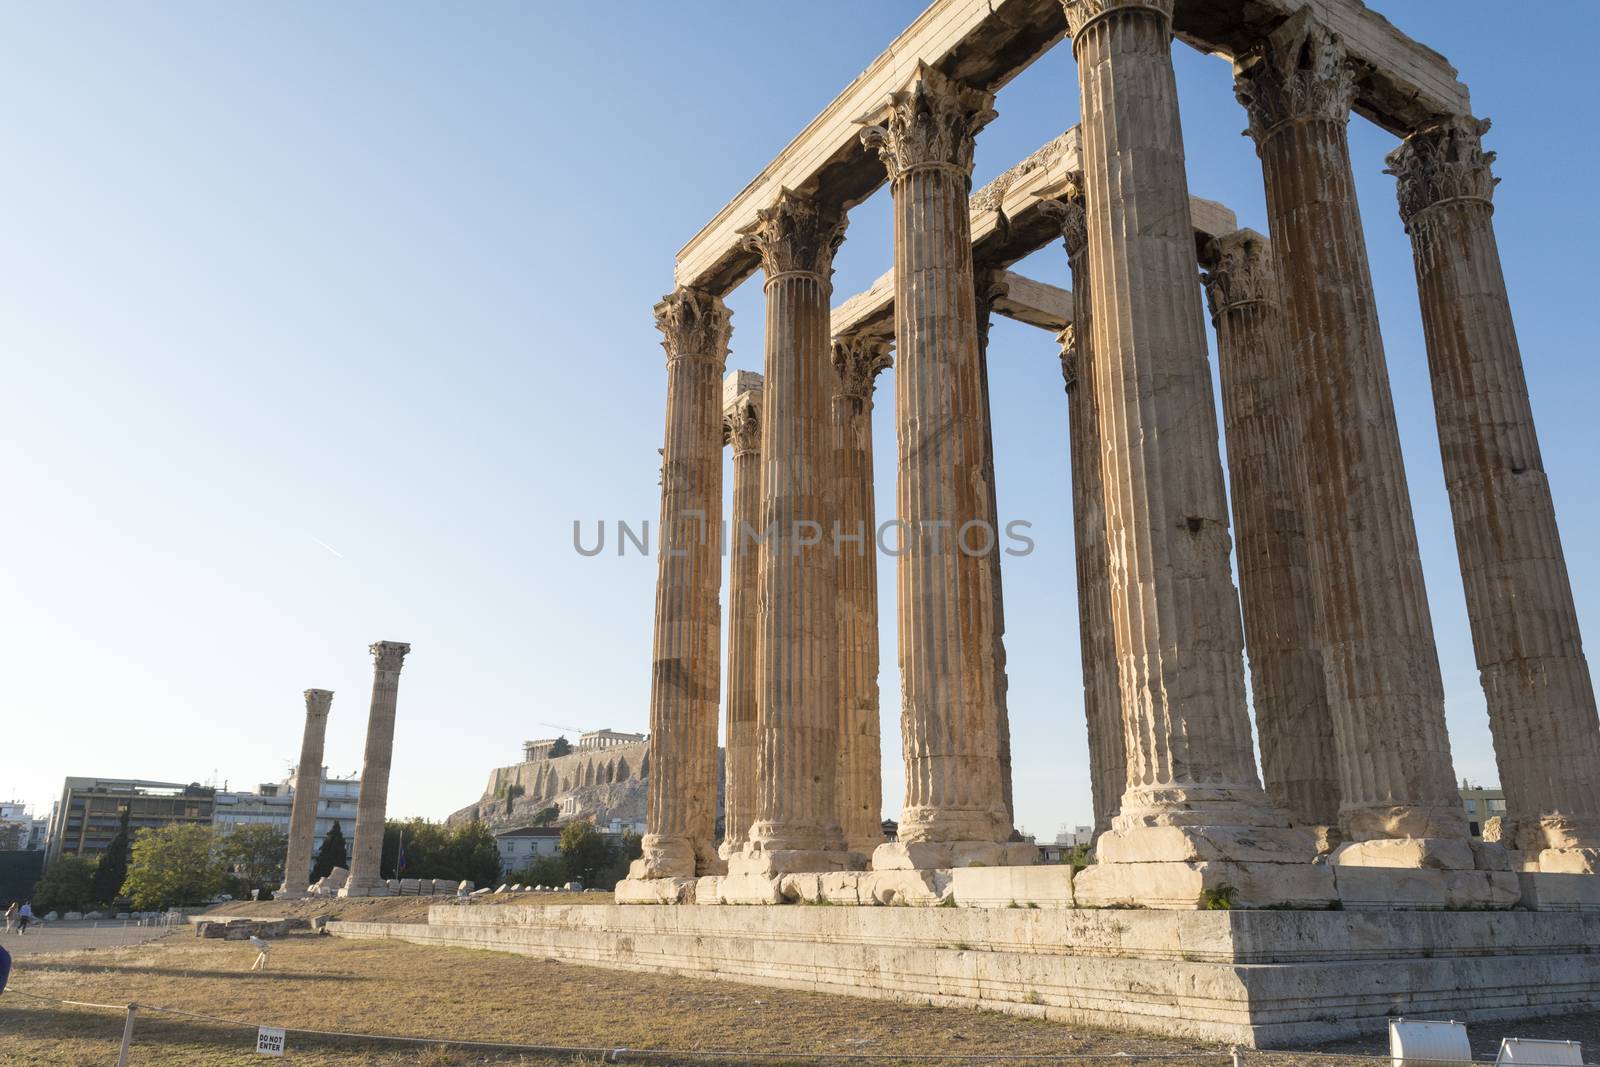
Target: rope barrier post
(127, 1036)
(1238, 1056)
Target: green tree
(560, 747)
(434, 850)
(587, 852)
(545, 816)
(254, 857)
(542, 870)
(178, 864)
(333, 853)
(112, 869)
(629, 849)
(66, 885)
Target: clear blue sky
(379, 277)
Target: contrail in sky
(327, 546)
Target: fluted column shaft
(857, 361)
(1267, 473)
(743, 427)
(1382, 668)
(680, 818)
(1519, 599)
(1175, 612)
(366, 878)
(946, 597)
(987, 289)
(303, 808)
(1097, 642)
(797, 710)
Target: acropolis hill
(604, 776)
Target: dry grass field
(390, 987)
(386, 987)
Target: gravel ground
(76, 937)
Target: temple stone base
(1206, 884)
(1545, 891)
(655, 891)
(946, 855)
(1256, 978)
(1569, 860)
(364, 888)
(290, 894)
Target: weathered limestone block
(365, 880)
(1044, 886)
(1205, 883)
(1383, 681)
(1396, 887)
(943, 855)
(921, 887)
(655, 891)
(684, 690)
(1519, 598)
(1542, 891)
(954, 793)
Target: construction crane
(569, 729)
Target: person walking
(24, 917)
(11, 917)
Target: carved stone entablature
(1445, 161)
(794, 235)
(1068, 340)
(1300, 72)
(1068, 212)
(933, 122)
(695, 324)
(389, 655)
(1239, 271)
(1082, 12)
(318, 701)
(992, 195)
(741, 425)
(859, 361)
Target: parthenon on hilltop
(1333, 888)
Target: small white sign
(269, 1041)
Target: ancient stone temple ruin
(1337, 886)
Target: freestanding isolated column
(1519, 598)
(1192, 788)
(1267, 474)
(680, 816)
(857, 362)
(366, 877)
(1384, 686)
(742, 425)
(1097, 641)
(987, 288)
(954, 810)
(307, 794)
(797, 644)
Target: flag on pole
(400, 860)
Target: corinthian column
(366, 877)
(1193, 816)
(796, 824)
(954, 812)
(1268, 475)
(1384, 686)
(1519, 599)
(988, 287)
(741, 425)
(303, 810)
(680, 816)
(1097, 643)
(857, 362)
